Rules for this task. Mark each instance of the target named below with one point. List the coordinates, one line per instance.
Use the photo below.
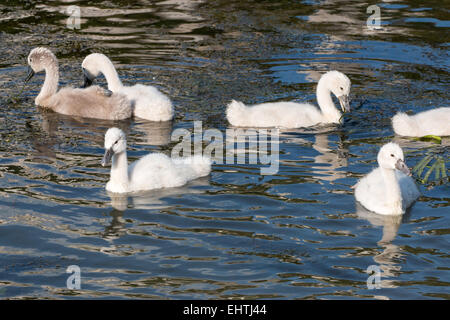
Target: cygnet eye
(392, 155)
(116, 142)
(342, 89)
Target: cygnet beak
(401, 165)
(107, 92)
(87, 79)
(345, 104)
(107, 157)
(29, 75)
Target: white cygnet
(388, 189)
(432, 122)
(152, 171)
(148, 102)
(296, 115)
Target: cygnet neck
(392, 190)
(110, 73)
(119, 168)
(50, 85)
(326, 104)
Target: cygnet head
(38, 60)
(339, 84)
(115, 143)
(91, 66)
(390, 156)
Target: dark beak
(87, 79)
(107, 157)
(345, 104)
(401, 165)
(107, 93)
(29, 75)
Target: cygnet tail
(160, 109)
(404, 125)
(194, 167)
(236, 112)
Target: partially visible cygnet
(148, 102)
(432, 122)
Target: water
(235, 234)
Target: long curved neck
(326, 104)
(50, 85)
(110, 73)
(119, 169)
(392, 190)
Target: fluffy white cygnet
(148, 102)
(432, 122)
(292, 114)
(152, 171)
(388, 189)
(92, 102)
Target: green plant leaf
(430, 138)
(427, 175)
(443, 170)
(421, 165)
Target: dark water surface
(236, 234)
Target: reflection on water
(235, 234)
(388, 260)
(153, 133)
(154, 199)
(334, 159)
(116, 228)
